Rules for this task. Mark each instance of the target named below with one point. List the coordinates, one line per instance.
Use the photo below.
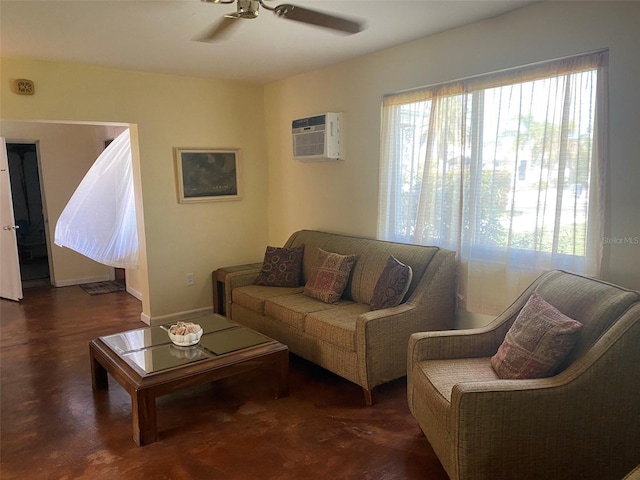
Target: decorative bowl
(185, 334)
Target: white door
(10, 281)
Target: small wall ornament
(22, 86)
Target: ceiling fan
(249, 9)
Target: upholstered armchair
(582, 422)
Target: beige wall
(343, 196)
(169, 111)
(66, 152)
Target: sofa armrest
(241, 279)
(435, 293)
(228, 278)
(517, 420)
(440, 345)
(499, 412)
(381, 342)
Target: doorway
(28, 210)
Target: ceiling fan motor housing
(248, 8)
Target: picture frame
(207, 174)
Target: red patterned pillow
(281, 267)
(392, 285)
(537, 342)
(328, 280)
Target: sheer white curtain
(100, 219)
(506, 169)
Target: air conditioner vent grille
(308, 144)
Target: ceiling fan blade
(313, 17)
(218, 31)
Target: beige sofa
(582, 422)
(366, 347)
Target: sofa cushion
(330, 276)
(281, 267)
(538, 341)
(336, 325)
(254, 296)
(292, 309)
(392, 285)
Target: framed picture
(207, 174)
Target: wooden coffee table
(148, 365)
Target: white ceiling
(158, 35)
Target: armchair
(583, 422)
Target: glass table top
(150, 350)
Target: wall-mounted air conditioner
(316, 138)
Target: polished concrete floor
(53, 426)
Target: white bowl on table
(187, 339)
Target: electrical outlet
(190, 279)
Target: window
(506, 169)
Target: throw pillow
(537, 342)
(281, 267)
(392, 285)
(328, 280)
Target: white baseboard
(80, 281)
(134, 293)
(175, 317)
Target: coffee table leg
(99, 380)
(282, 374)
(143, 412)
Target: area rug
(100, 288)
